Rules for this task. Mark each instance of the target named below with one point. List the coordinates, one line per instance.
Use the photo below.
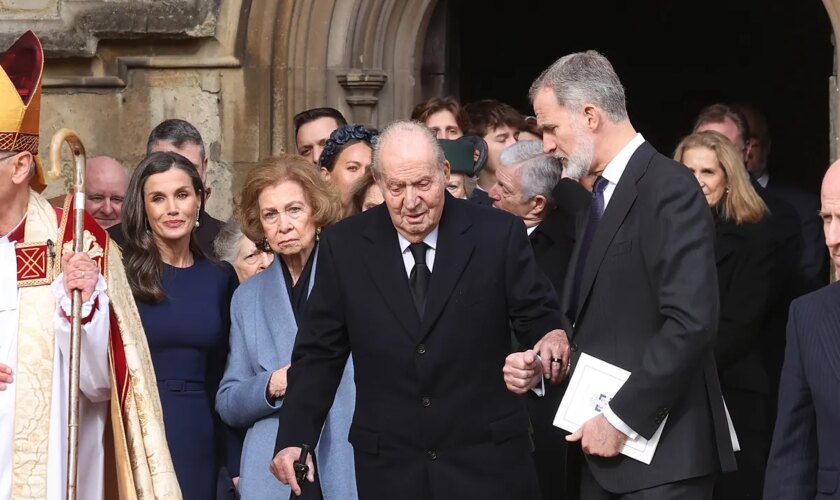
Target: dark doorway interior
(673, 58)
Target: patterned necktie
(596, 211)
(420, 275)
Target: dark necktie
(419, 277)
(596, 211)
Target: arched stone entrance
(359, 56)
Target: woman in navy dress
(184, 304)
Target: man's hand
(80, 273)
(598, 437)
(283, 467)
(554, 351)
(522, 371)
(5, 376)
(277, 383)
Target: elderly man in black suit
(529, 185)
(642, 296)
(804, 458)
(422, 291)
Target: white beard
(578, 163)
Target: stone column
(361, 88)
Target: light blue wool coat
(263, 330)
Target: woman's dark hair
(342, 138)
(143, 263)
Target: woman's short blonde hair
(320, 194)
(740, 202)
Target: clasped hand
(549, 358)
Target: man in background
(179, 136)
(498, 124)
(804, 459)
(312, 129)
(105, 184)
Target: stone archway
(359, 56)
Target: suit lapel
(619, 206)
(387, 270)
(568, 286)
(453, 252)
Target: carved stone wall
(238, 69)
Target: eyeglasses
(273, 216)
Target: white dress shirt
(612, 173)
(408, 259)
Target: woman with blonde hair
(743, 253)
(284, 205)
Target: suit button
(573, 347)
(426, 402)
(421, 349)
(432, 455)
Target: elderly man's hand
(598, 437)
(80, 273)
(554, 351)
(283, 467)
(522, 371)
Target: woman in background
(184, 304)
(365, 194)
(347, 155)
(241, 253)
(743, 252)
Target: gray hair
(405, 131)
(226, 243)
(538, 172)
(584, 78)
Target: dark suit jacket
(744, 257)
(805, 456)
(648, 303)
(433, 417)
(554, 238)
(480, 197)
(208, 229)
(813, 265)
(788, 281)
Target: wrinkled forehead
(406, 157)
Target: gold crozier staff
(72, 138)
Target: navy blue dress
(188, 339)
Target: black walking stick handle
(301, 469)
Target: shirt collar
(430, 239)
(16, 234)
(617, 165)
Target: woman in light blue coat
(284, 204)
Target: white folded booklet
(590, 390)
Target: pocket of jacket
(621, 247)
(827, 480)
(509, 427)
(364, 440)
